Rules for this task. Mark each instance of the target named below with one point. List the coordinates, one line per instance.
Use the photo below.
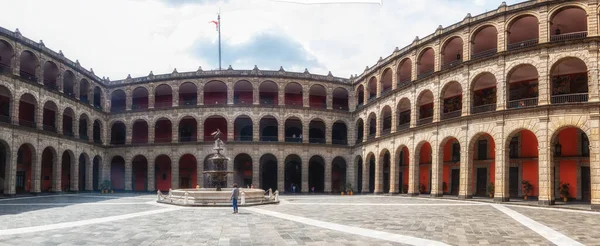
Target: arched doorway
(338, 175)
(187, 172)
(139, 172)
(96, 173)
(242, 167)
(385, 161)
(162, 172)
(117, 173)
(571, 161)
(403, 169)
(522, 151)
(482, 166)
(358, 163)
(25, 159)
(67, 163)
(450, 166)
(293, 174)
(83, 167)
(316, 174)
(424, 170)
(268, 172)
(48, 161)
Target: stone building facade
(484, 107)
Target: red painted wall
(187, 168)
(64, 179)
(529, 148)
(47, 172)
(211, 98)
(271, 95)
(244, 97)
(446, 172)
(491, 167)
(26, 111)
(140, 172)
(163, 131)
(139, 102)
(317, 100)
(424, 176)
(164, 100)
(568, 168)
(426, 111)
(293, 99)
(425, 154)
(163, 165)
(139, 133)
(424, 157)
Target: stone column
(365, 129)
(175, 174)
(437, 170)
(378, 123)
(394, 180)
(255, 95)
(11, 175)
(151, 174)
(281, 172)
(544, 24)
(365, 176)
(199, 169)
(543, 80)
(56, 173)
(304, 166)
(280, 131)
(545, 167)
(36, 172)
(394, 118)
(230, 130)
(329, 98)
(378, 173)
(151, 131)
(151, 100)
(200, 95)
(175, 132)
(175, 95)
(305, 132)
(89, 174)
(39, 117)
(128, 99)
(256, 168)
(14, 114)
(76, 126)
(501, 193)
(58, 121)
(128, 172)
(128, 132)
(413, 172)
(305, 97)
(229, 93)
(328, 129)
(200, 131)
(594, 139)
(466, 171)
(327, 174)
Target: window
(482, 149)
(585, 145)
(455, 152)
(514, 147)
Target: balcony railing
(97, 141)
(403, 84)
(68, 133)
(386, 131)
(117, 142)
(28, 76)
(84, 100)
(163, 140)
(292, 103)
(139, 106)
(243, 138)
(268, 138)
(27, 123)
(424, 121)
(403, 125)
(188, 103)
(371, 98)
(568, 36)
(523, 44)
(70, 94)
(483, 108)
(450, 115)
(339, 141)
(343, 107)
(139, 141)
(359, 140)
(425, 74)
(237, 101)
(50, 85)
(116, 109)
(371, 136)
(187, 139)
(163, 104)
(359, 105)
(293, 140)
(49, 128)
(84, 137)
(569, 98)
(450, 64)
(316, 140)
(267, 101)
(4, 68)
(523, 103)
(484, 54)
(318, 104)
(386, 91)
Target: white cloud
(120, 37)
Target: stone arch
(404, 71)
(386, 80)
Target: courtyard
(136, 219)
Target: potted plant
(105, 186)
(349, 190)
(527, 188)
(405, 187)
(491, 189)
(563, 188)
(422, 189)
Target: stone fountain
(214, 194)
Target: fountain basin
(213, 198)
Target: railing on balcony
(243, 138)
(27, 76)
(523, 103)
(386, 91)
(484, 54)
(425, 74)
(359, 105)
(163, 140)
(403, 125)
(483, 108)
(424, 121)
(50, 85)
(343, 107)
(84, 100)
(139, 106)
(139, 141)
(359, 140)
(238, 101)
(450, 64)
(371, 136)
(386, 131)
(267, 101)
(371, 98)
(27, 123)
(163, 104)
(98, 106)
(316, 140)
(70, 94)
(452, 114)
(97, 141)
(117, 142)
(568, 36)
(84, 137)
(339, 141)
(68, 133)
(5, 118)
(117, 109)
(187, 139)
(294, 103)
(188, 103)
(403, 84)
(293, 140)
(49, 128)
(268, 138)
(318, 104)
(569, 98)
(523, 44)
(4, 68)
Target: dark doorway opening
(481, 181)
(455, 182)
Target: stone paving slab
(456, 225)
(583, 227)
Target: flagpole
(219, 29)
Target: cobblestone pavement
(129, 219)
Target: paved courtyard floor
(129, 219)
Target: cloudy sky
(121, 37)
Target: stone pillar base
(595, 207)
(464, 197)
(501, 199)
(545, 202)
(436, 195)
(413, 194)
